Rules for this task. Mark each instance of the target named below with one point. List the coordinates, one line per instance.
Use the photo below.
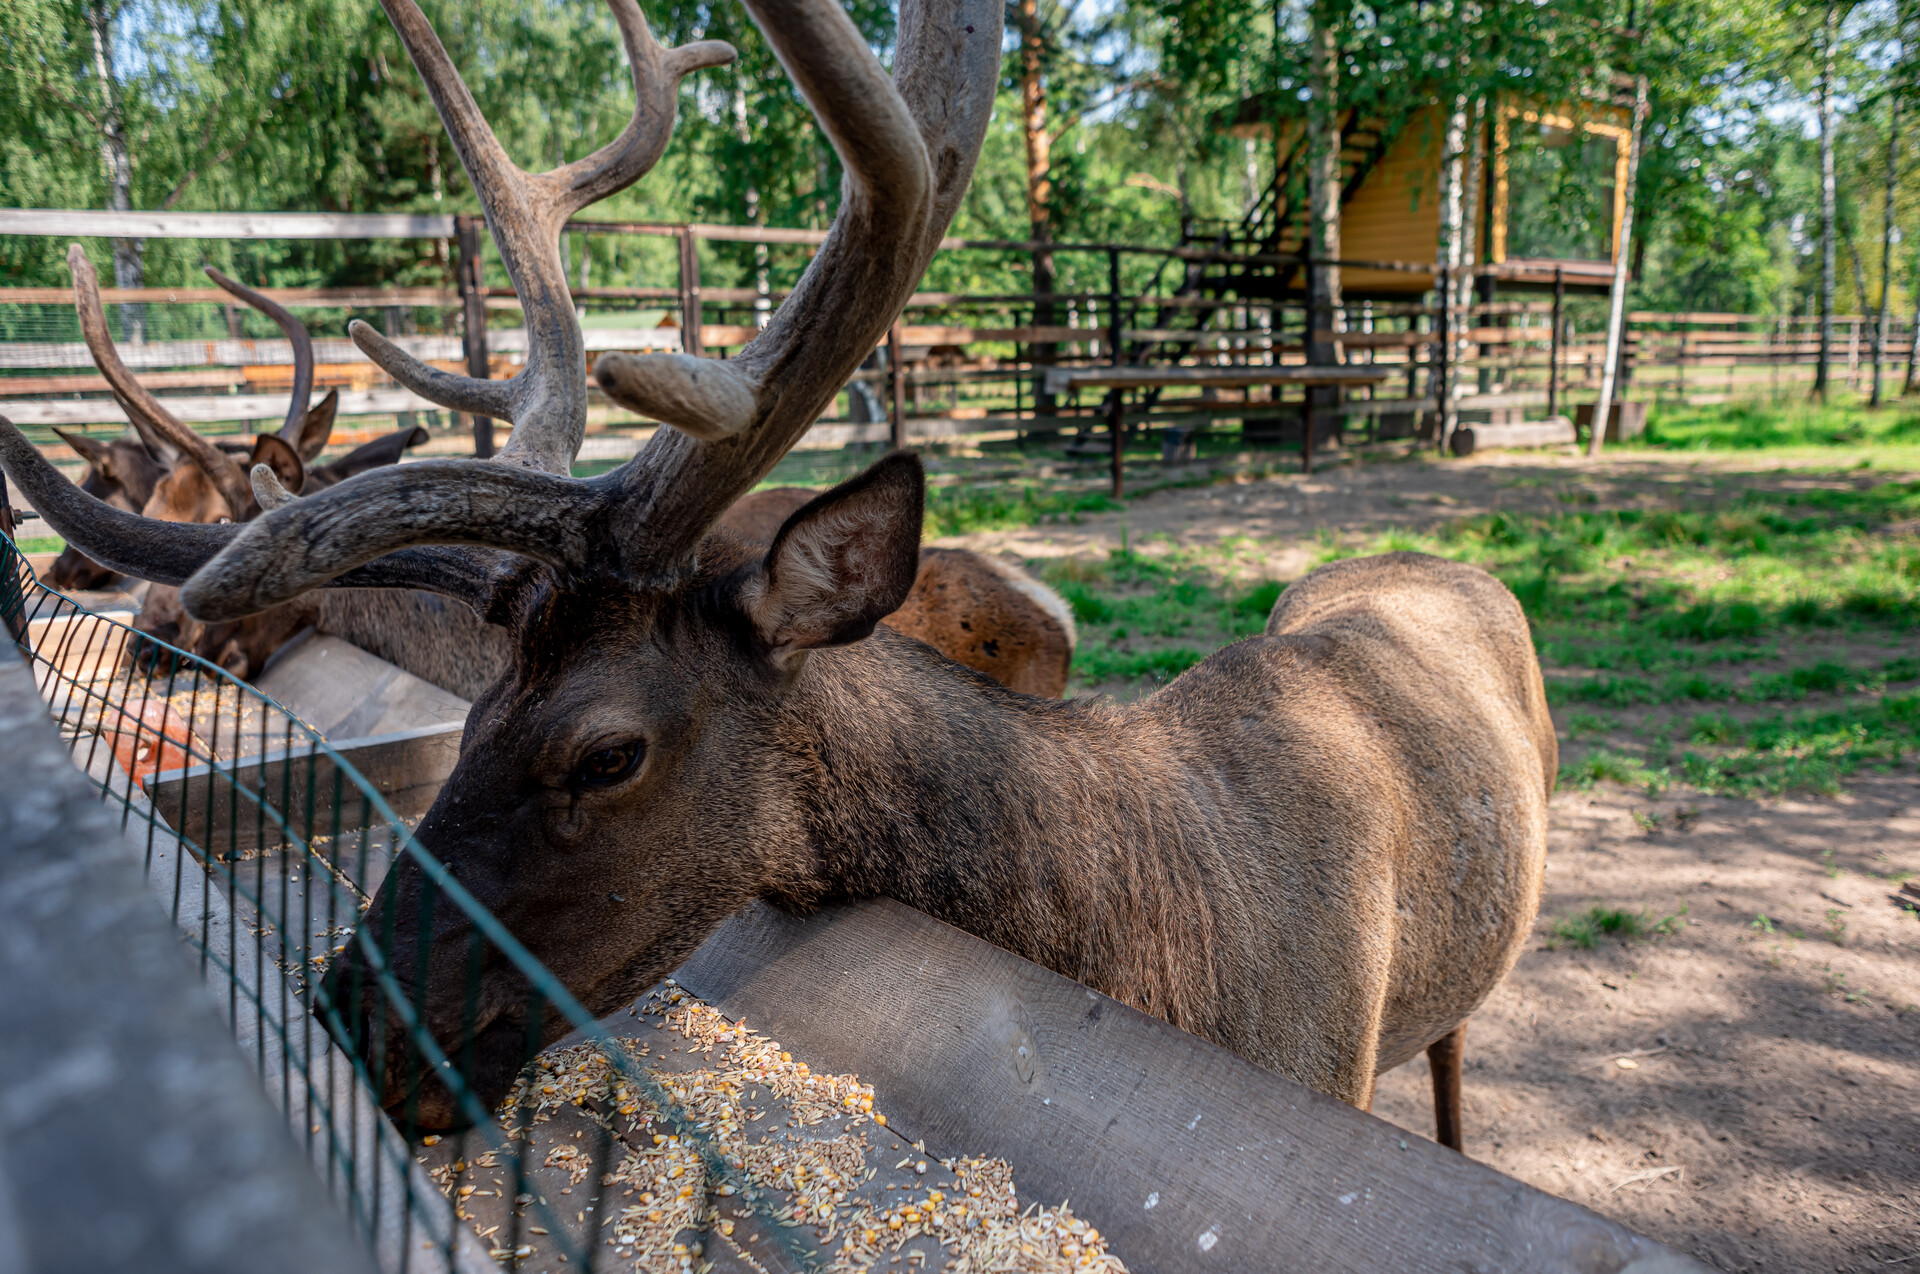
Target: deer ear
(316, 427)
(94, 453)
(278, 455)
(844, 561)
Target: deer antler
(141, 406)
(908, 147)
(170, 552)
(302, 354)
(547, 402)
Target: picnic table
(1122, 378)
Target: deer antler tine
(909, 145)
(142, 407)
(456, 393)
(547, 402)
(267, 489)
(657, 72)
(308, 542)
(302, 348)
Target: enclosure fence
(268, 849)
(962, 367)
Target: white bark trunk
(129, 267)
(1452, 194)
(1828, 246)
(1617, 301)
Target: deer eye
(609, 765)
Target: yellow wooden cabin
(1550, 195)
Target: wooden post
(689, 293)
(473, 302)
(1117, 404)
(1306, 429)
(896, 389)
(1553, 352)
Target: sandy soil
(1767, 1116)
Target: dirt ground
(1745, 1087)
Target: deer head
(646, 661)
(207, 483)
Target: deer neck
(1065, 832)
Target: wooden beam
(86, 223)
(215, 407)
(1182, 1153)
(294, 298)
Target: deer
(205, 481)
(121, 472)
(973, 608)
(1321, 847)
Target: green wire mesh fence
(269, 848)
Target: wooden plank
(92, 411)
(14, 385)
(220, 352)
(209, 805)
(67, 223)
(1217, 377)
(293, 298)
(1184, 1154)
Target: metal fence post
(689, 293)
(473, 302)
(1117, 405)
(896, 389)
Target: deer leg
(1444, 1056)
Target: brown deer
(976, 610)
(120, 471)
(1320, 847)
(206, 481)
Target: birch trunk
(1453, 166)
(129, 267)
(1828, 244)
(1617, 301)
(1886, 246)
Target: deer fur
(1321, 848)
(976, 610)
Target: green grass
(1797, 425)
(41, 544)
(958, 510)
(1153, 617)
(1584, 929)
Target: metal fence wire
(269, 847)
